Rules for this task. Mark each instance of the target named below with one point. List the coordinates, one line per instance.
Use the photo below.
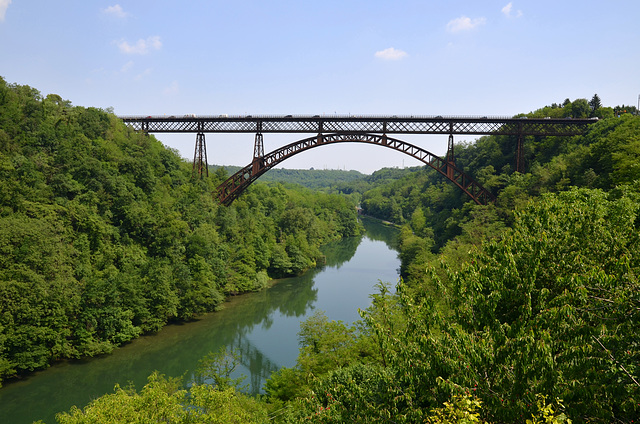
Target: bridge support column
(258, 154)
(450, 159)
(520, 149)
(200, 164)
(450, 156)
(258, 147)
(520, 154)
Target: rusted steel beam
(238, 182)
(359, 124)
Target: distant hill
(310, 178)
(342, 181)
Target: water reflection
(378, 231)
(261, 326)
(341, 251)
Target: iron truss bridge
(358, 124)
(330, 129)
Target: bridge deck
(358, 124)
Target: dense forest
(317, 179)
(527, 310)
(105, 235)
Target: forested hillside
(445, 220)
(104, 235)
(317, 179)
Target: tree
(324, 347)
(216, 369)
(159, 401)
(555, 305)
(578, 109)
(163, 400)
(594, 104)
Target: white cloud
(4, 4)
(141, 46)
(391, 54)
(143, 74)
(115, 11)
(173, 88)
(126, 66)
(464, 24)
(507, 11)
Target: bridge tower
(450, 156)
(258, 151)
(200, 164)
(520, 150)
(450, 159)
(520, 155)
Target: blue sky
(453, 57)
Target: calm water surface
(261, 326)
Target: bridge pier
(520, 149)
(450, 159)
(258, 154)
(450, 156)
(258, 147)
(520, 154)
(200, 164)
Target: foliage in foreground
(552, 308)
(164, 400)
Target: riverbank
(381, 221)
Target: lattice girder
(360, 124)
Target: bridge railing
(311, 117)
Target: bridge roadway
(316, 124)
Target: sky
(358, 57)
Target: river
(261, 326)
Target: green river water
(261, 326)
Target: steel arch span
(229, 190)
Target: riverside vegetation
(526, 310)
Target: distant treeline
(310, 178)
